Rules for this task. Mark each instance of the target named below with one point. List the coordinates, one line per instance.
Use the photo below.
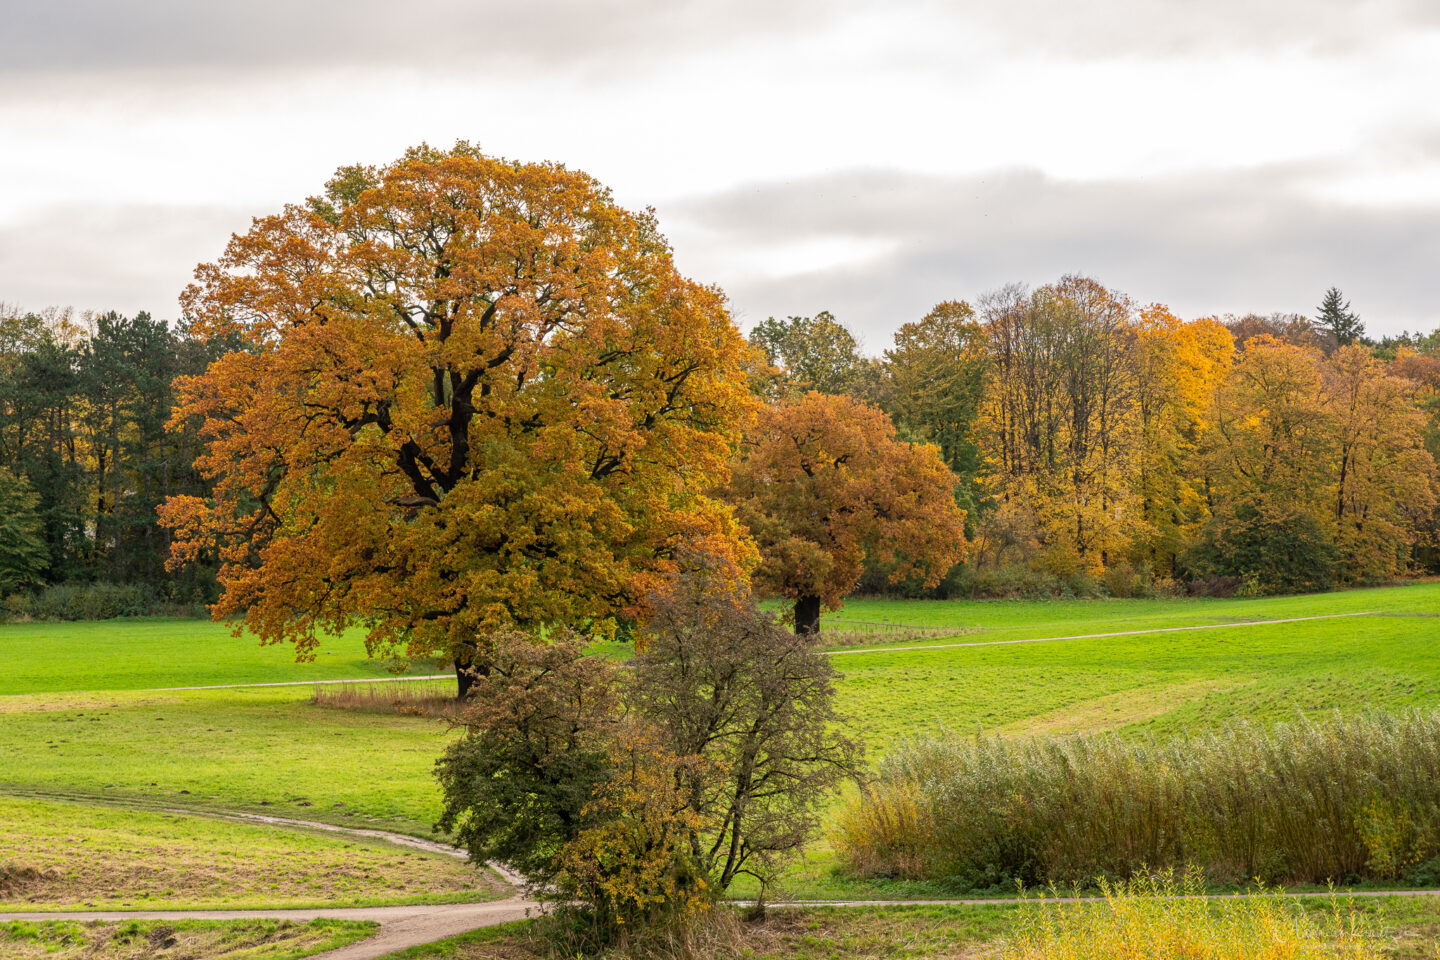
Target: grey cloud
(1229, 242)
(423, 36)
(1218, 243)
(623, 36)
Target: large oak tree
(472, 393)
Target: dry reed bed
(855, 633)
(1347, 799)
(406, 698)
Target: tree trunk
(807, 617)
(466, 673)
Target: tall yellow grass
(1158, 918)
(1300, 802)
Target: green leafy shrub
(98, 601)
(641, 793)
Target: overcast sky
(866, 158)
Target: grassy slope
(1161, 681)
(118, 859)
(268, 749)
(164, 940)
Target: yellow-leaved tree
(473, 393)
(1059, 425)
(1178, 367)
(1384, 477)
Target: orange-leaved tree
(823, 483)
(473, 394)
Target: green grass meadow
(81, 716)
(134, 654)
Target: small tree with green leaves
(813, 353)
(640, 795)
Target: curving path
(400, 927)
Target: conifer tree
(1336, 316)
(23, 557)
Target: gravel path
(400, 927)
(411, 926)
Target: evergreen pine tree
(23, 556)
(1336, 316)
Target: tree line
(87, 454)
(1101, 445)
(1094, 445)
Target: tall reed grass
(855, 633)
(1158, 918)
(406, 698)
(1302, 802)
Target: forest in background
(86, 455)
(1099, 447)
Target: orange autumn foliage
(472, 393)
(824, 483)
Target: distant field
(149, 653)
(77, 723)
(1159, 681)
(133, 654)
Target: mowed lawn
(1234, 669)
(140, 653)
(67, 726)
